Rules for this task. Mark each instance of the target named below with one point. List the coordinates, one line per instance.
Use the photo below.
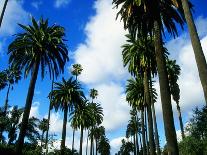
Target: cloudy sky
(94, 40)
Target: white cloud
(61, 3)
(100, 55)
(34, 112)
(14, 14)
(116, 144)
(36, 4)
(116, 110)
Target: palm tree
(39, 46)
(139, 56)
(150, 18)
(93, 94)
(13, 123)
(43, 127)
(76, 71)
(81, 118)
(65, 96)
(13, 75)
(126, 148)
(97, 115)
(197, 48)
(98, 132)
(104, 146)
(135, 97)
(173, 73)
(3, 11)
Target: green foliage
(126, 148)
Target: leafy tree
(3, 79)
(65, 96)
(39, 46)
(43, 127)
(104, 146)
(14, 121)
(126, 148)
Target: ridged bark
(169, 126)
(197, 48)
(64, 129)
(27, 109)
(149, 114)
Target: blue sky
(94, 40)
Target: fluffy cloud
(116, 144)
(14, 14)
(61, 3)
(34, 112)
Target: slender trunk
(155, 122)
(81, 141)
(180, 121)
(165, 94)
(7, 100)
(146, 127)
(143, 133)
(64, 129)
(73, 139)
(87, 144)
(149, 114)
(135, 148)
(198, 51)
(136, 133)
(91, 149)
(48, 121)
(27, 108)
(3, 11)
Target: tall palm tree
(150, 18)
(99, 131)
(135, 97)
(139, 56)
(173, 74)
(76, 71)
(38, 46)
(43, 127)
(104, 146)
(13, 75)
(3, 11)
(197, 48)
(81, 118)
(97, 115)
(65, 96)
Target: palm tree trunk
(146, 130)
(165, 94)
(180, 121)
(64, 129)
(81, 141)
(198, 51)
(91, 149)
(155, 122)
(87, 144)
(42, 138)
(149, 114)
(156, 131)
(27, 108)
(96, 147)
(140, 141)
(48, 121)
(3, 11)
(143, 133)
(7, 100)
(135, 148)
(73, 139)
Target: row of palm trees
(42, 47)
(145, 56)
